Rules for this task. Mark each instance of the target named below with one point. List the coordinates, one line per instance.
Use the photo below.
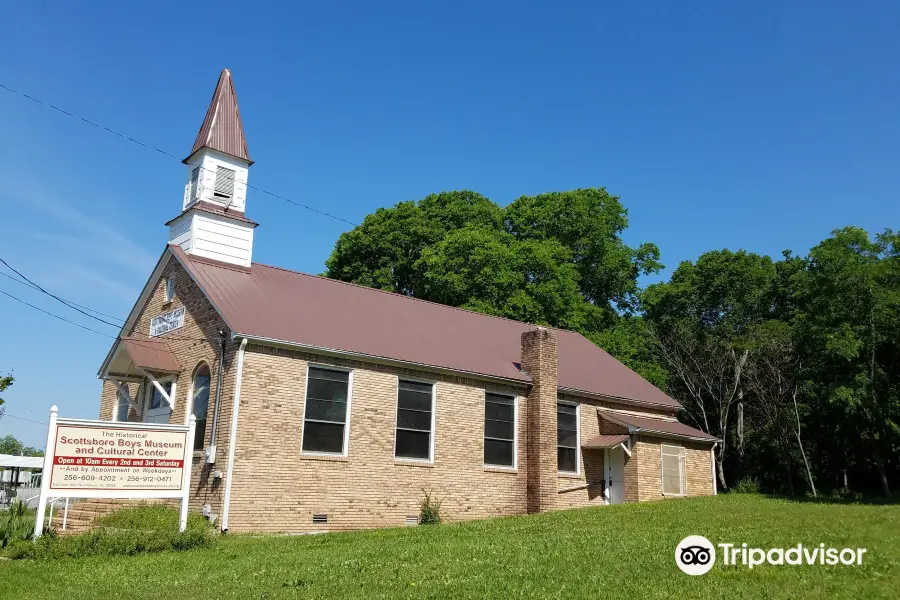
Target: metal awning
(140, 359)
(656, 427)
(603, 441)
(133, 356)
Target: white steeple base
(217, 237)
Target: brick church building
(324, 405)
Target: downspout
(233, 438)
(712, 462)
(215, 424)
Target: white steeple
(212, 224)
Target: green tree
(5, 382)
(701, 319)
(490, 272)
(589, 222)
(385, 251)
(11, 445)
(774, 382)
(848, 299)
(631, 341)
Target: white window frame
(346, 443)
(170, 289)
(433, 433)
(682, 469)
(189, 402)
(515, 397)
(577, 406)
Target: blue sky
(761, 127)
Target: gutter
(666, 434)
(233, 438)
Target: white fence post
(186, 473)
(45, 474)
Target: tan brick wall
(698, 470)
(201, 322)
(539, 358)
(278, 489)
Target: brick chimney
(539, 360)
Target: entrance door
(615, 475)
(157, 410)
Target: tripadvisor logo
(696, 555)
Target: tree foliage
(11, 445)
(820, 333)
(553, 259)
(5, 382)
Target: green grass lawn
(622, 551)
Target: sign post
(186, 482)
(103, 459)
(45, 478)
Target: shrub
(430, 511)
(747, 485)
(128, 531)
(150, 516)
(17, 523)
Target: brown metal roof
(605, 441)
(151, 355)
(658, 427)
(215, 209)
(276, 304)
(222, 129)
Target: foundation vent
(320, 519)
(412, 520)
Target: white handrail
(51, 502)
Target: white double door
(614, 465)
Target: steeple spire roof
(222, 129)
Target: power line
(168, 154)
(55, 297)
(106, 335)
(35, 287)
(27, 282)
(55, 316)
(24, 419)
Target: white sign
(169, 321)
(117, 458)
(105, 459)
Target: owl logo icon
(695, 555)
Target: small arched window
(200, 404)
